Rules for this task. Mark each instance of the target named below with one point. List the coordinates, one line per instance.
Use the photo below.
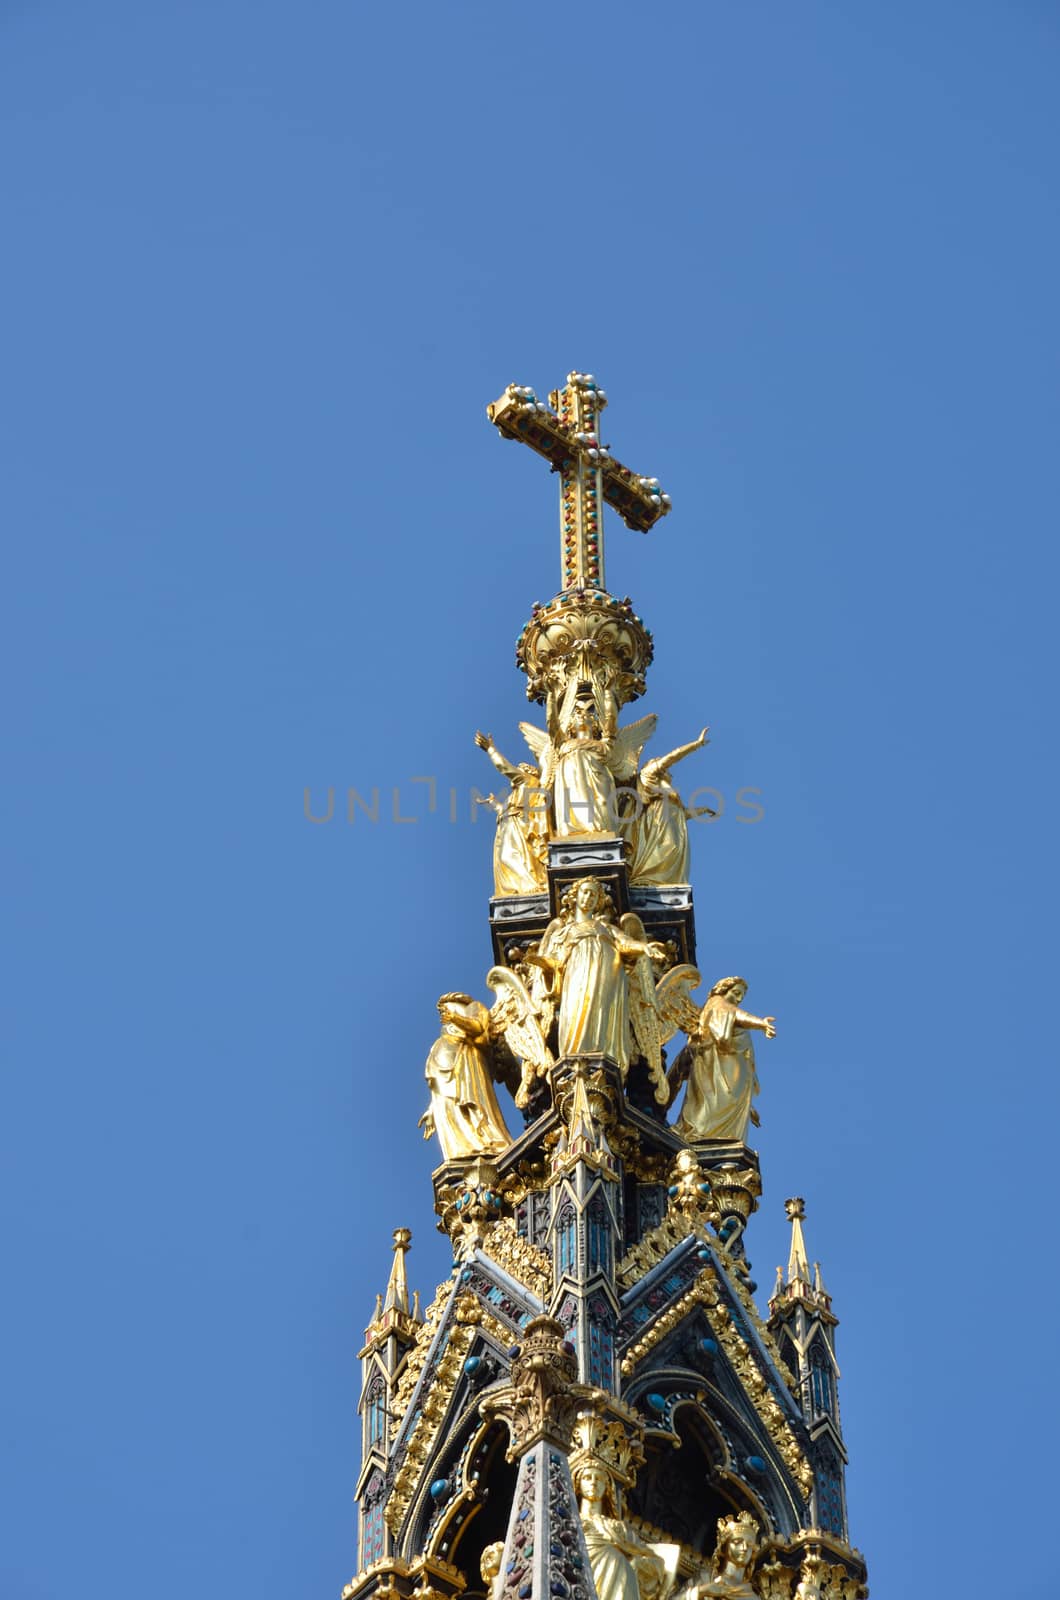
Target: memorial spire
(591, 1407)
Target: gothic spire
(393, 1314)
(799, 1285)
(397, 1289)
(798, 1265)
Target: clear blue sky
(264, 266)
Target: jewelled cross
(566, 432)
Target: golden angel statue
(719, 1063)
(463, 1112)
(581, 762)
(734, 1554)
(659, 835)
(588, 957)
(520, 844)
(624, 1567)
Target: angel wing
(627, 745)
(644, 1021)
(513, 1015)
(678, 1011)
(537, 977)
(542, 995)
(673, 1001)
(543, 751)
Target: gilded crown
(608, 1443)
(734, 1527)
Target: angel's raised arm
(502, 764)
(660, 764)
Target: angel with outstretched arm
(660, 832)
(520, 844)
(720, 1066)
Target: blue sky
(265, 265)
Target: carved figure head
(588, 894)
(490, 1561)
(456, 1009)
(455, 998)
(609, 1454)
(731, 989)
(580, 719)
(595, 1486)
(737, 1542)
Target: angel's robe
(594, 999)
(660, 840)
(467, 1118)
(723, 1082)
(583, 792)
(517, 869)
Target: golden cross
(566, 433)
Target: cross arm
(519, 414)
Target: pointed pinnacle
(798, 1264)
(581, 1123)
(397, 1289)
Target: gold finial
(541, 1401)
(566, 432)
(397, 1289)
(798, 1264)
(798, 1285)
(583, 1101)
(392, 1314)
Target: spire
(799, 1285)
(798, 1264)
(397, 1289)
(599, 1280)
(392, 1314)
(803, 1323)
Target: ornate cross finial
(566, 432)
